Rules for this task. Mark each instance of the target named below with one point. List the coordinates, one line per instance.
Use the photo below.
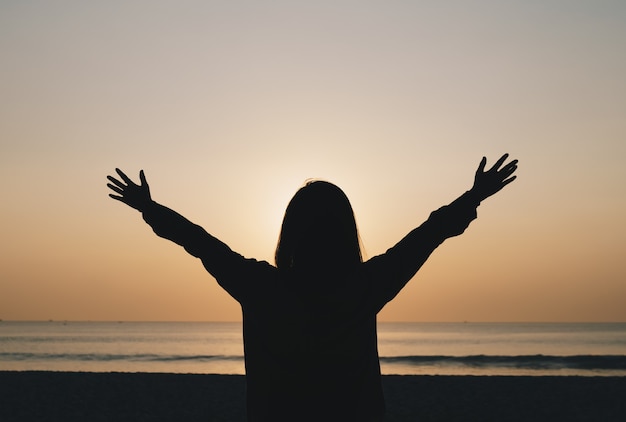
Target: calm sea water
(404, 348)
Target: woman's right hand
(487, 183)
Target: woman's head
(318, 230)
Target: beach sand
(79, 396)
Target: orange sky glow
(229, 106)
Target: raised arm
(403, 260)
(452, 220)
(216, 256)
(232, 271)
(165, 222)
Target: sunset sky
(229, 106)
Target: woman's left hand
(128, 192)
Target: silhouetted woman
(309, 323)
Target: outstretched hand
(487, 183)
(130, 193)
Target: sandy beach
(79, 396)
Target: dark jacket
(310, 340)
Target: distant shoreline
(479, 349)
(74, 396)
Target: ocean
(586, 349)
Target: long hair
(319, 230)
